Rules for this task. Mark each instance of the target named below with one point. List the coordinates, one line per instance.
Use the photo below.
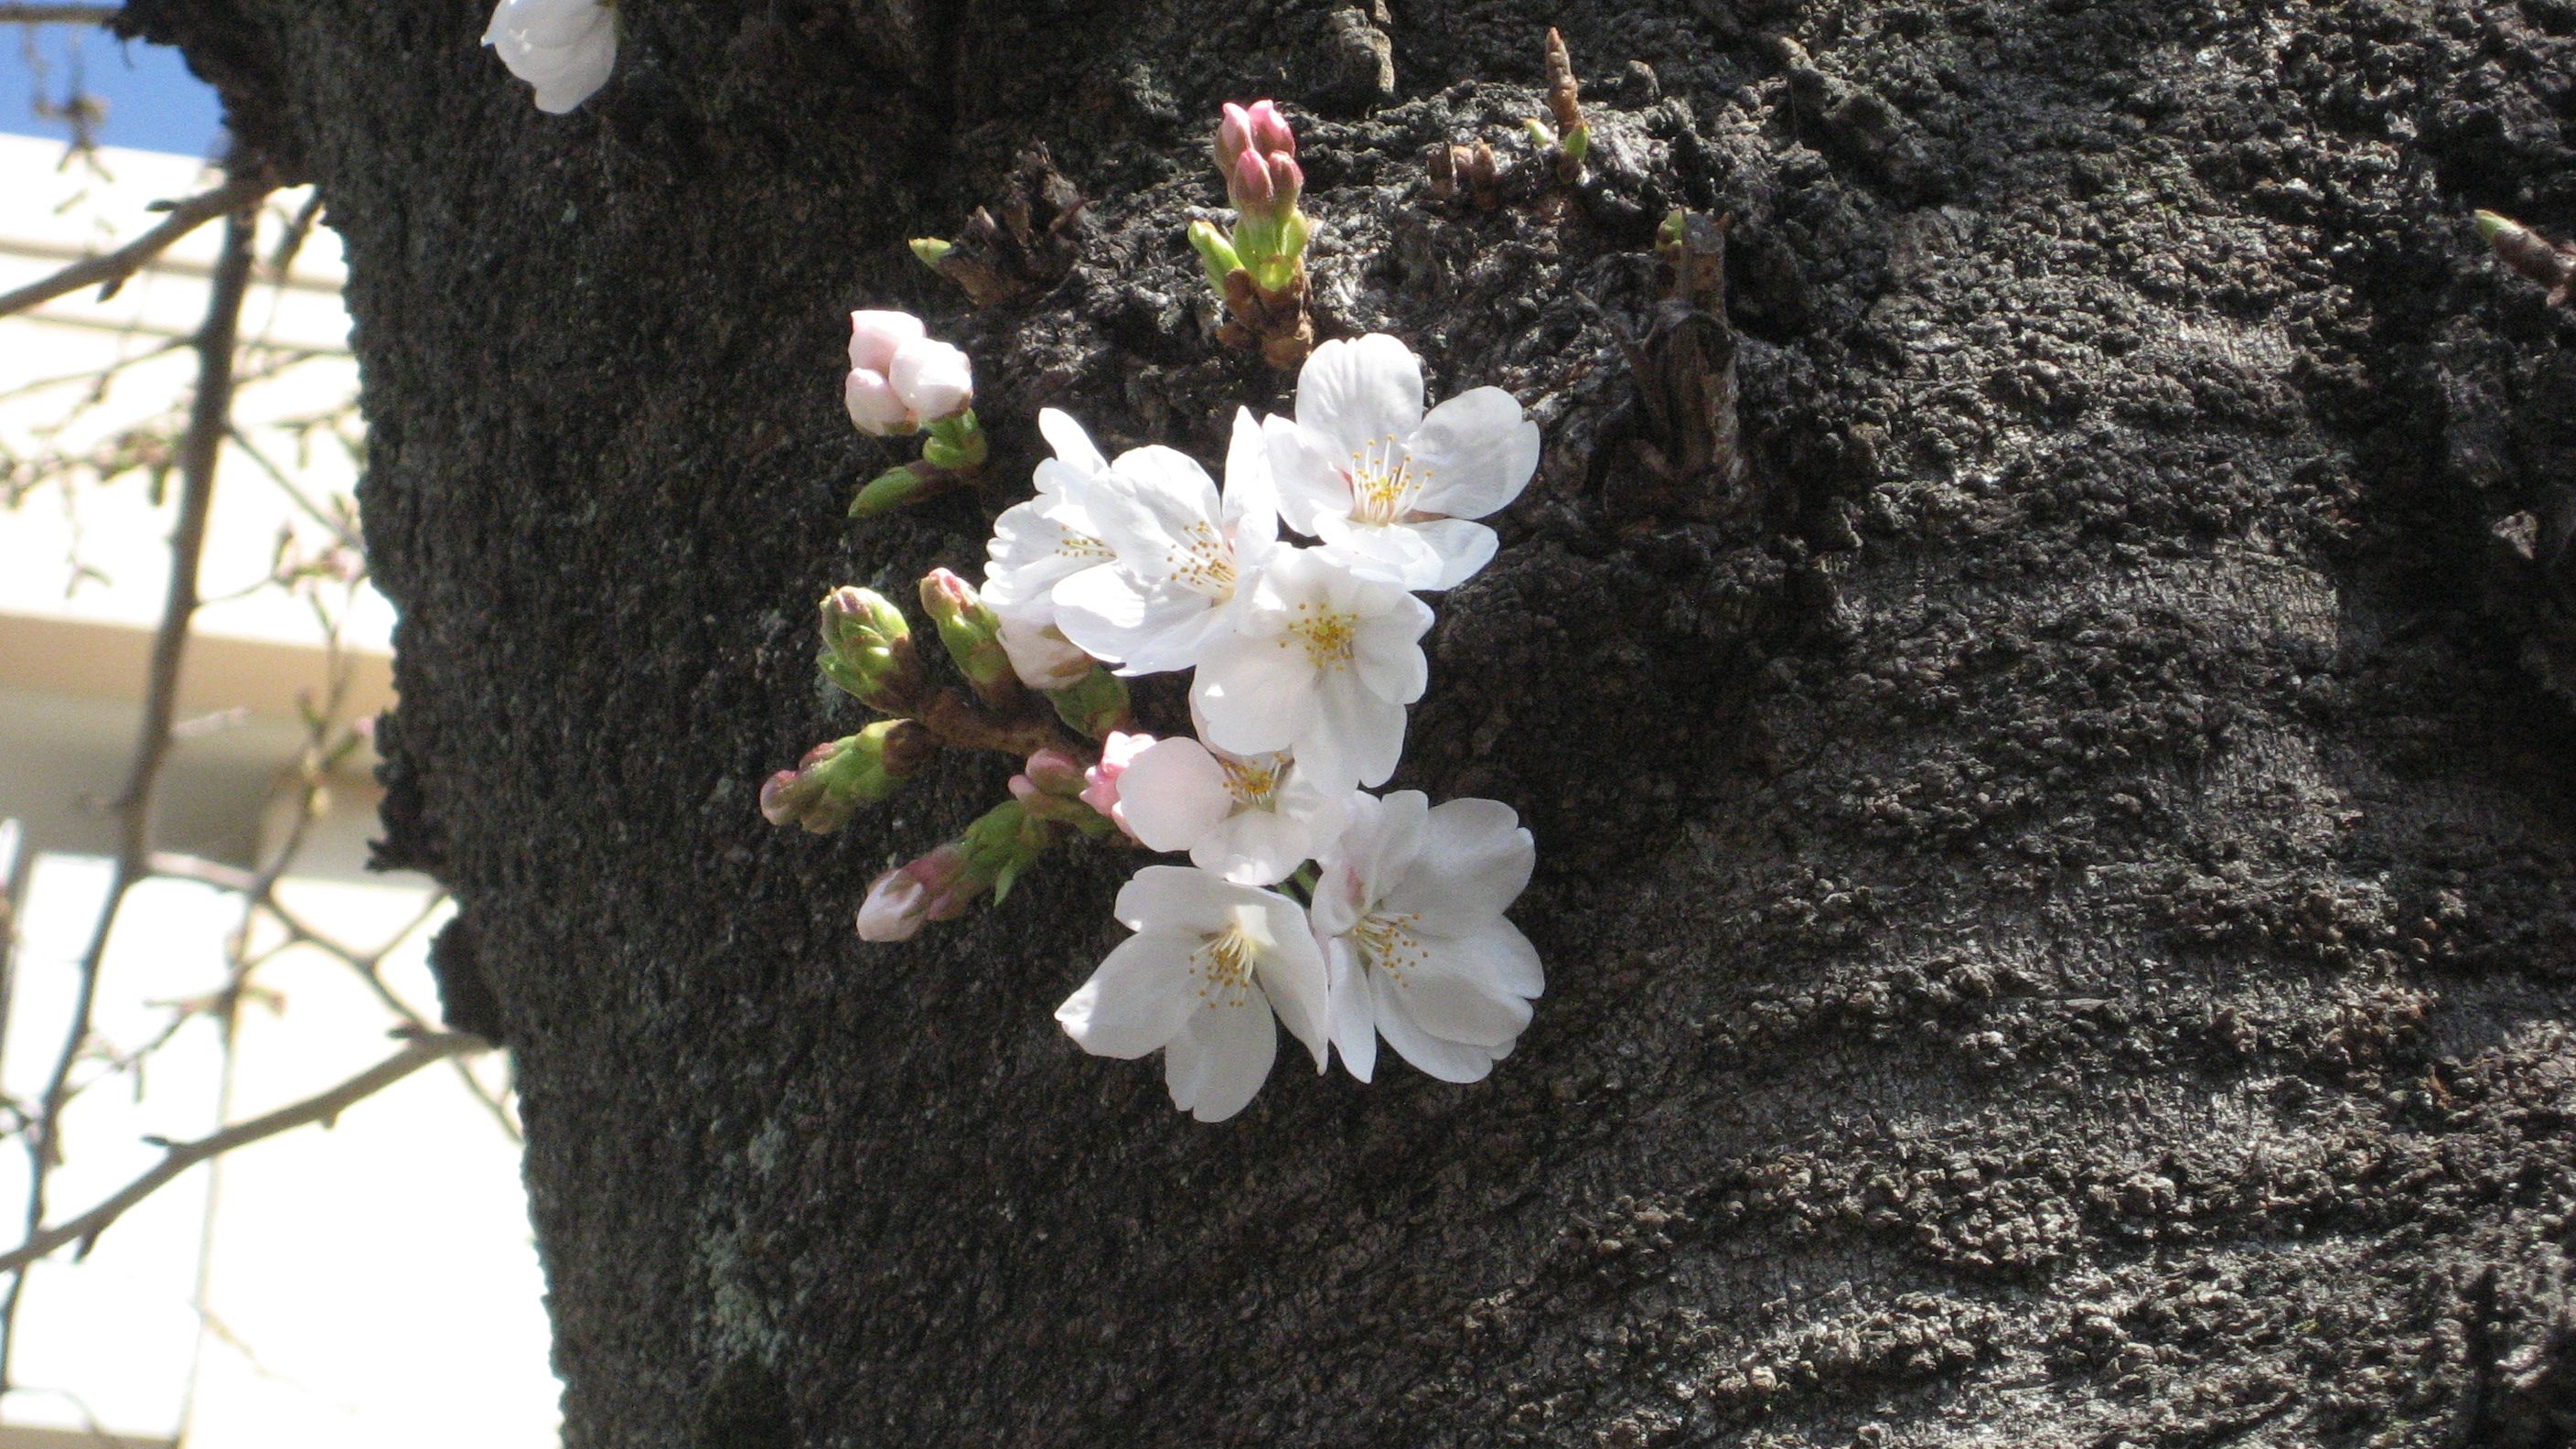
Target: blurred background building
(373, 1284)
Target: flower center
(1384, 483)
(1326, 634)
(1224, 960)
(1203, 561)
(1254, 784)
(1387, 944)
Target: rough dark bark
(2057, 898)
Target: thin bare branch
(109, 269)
(199, 451)
(324, 1108)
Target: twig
(323, 1108)
(59, 14)
(112, 268)
(199, 451)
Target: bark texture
(2056, 882)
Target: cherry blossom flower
(1184, 557)
(1210, 964)
(1252, 820)
(565, 48)
(900, 378)
(1051, 537)
(1409, 908)
(1387, 488)
(1321, 665)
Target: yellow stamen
(1225, 958)
(1254, 784)
(1327, 635)
(1387, 943)
(1384, 482)
(1204, 562)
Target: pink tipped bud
(1270, 133)
(1233, 136)
(901, 899)
(1287, 178)
(1055, 772)
(1250, 188)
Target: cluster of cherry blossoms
(1291, 593)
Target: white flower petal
(1039, 653)
(1291, 974)
(1253, 847)
(1148, 627)
(1357, 736)
(1154, 506)
(1071, 444)
(1463, 549)
(1304, 476)
(1358, 392)
(1477, 451)
(1450, 1061)
(1251, 504)
(1387, 656)
(1187, 1064)
(1474, 860)
(1239, 1044)
(1353, 1010)
(584, 70)
(1395, 554)
(1452, 990)
(1174, 796)
(547, 24)
(1175, 898)
(1254, 694)
(1138, 1000)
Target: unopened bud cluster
(1259, 268)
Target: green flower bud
(972, 633)
(834, 781)
(888, 491)
(867, 651)
(1093, 705)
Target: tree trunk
(2055, 882)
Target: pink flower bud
(894, 908)
(1269, 129)
(945, 593)
(874, 408)
(1250, 188)
(928, 889)
(1287, 180)
(933, 379)
(1233, 136)
(875, 337)
(779, 802)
